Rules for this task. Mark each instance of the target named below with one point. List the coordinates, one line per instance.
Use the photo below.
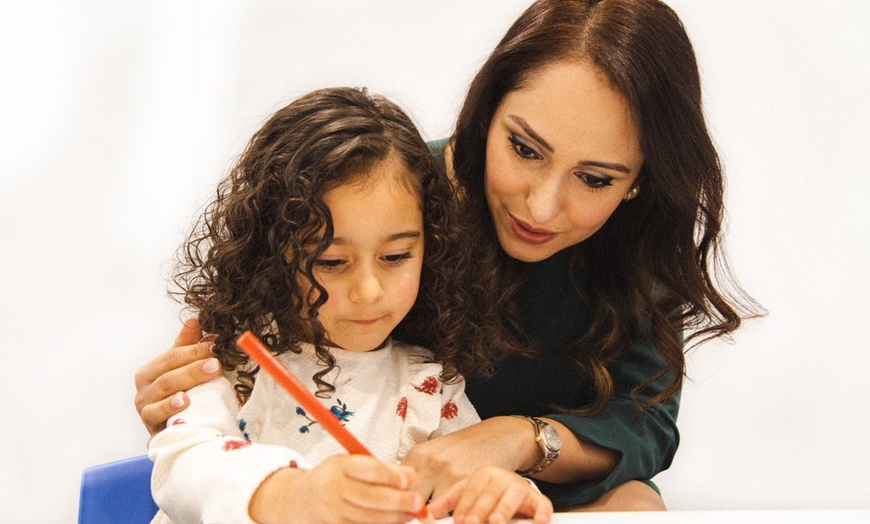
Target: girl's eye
(522, 149)
(397, 259)
(330, 264)
(595, 181)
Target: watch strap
(550, 456)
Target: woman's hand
(493, 495)
(345, 488)
(160, 383)
(505, 442)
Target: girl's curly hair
(268, 224)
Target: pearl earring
(631, 193)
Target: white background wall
(118, 118)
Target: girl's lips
(366, 322)
(529, 234)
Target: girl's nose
(544, 198)
(366, 287)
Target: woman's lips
(529, 234)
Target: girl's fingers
(442, 505)
(372, 471)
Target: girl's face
(372, 269)
(562, 153)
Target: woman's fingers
(180, 354)
(164, 396)
(493, 495)
(160, 383)
(190, 333)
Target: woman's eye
(397, 259)
(522, 149)
(595, 181)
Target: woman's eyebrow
(520, 121)
(607, 165)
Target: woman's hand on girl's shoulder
(493, 495)
(344, 488)
(160, 383)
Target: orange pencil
(250, 344)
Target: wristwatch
(551, 444)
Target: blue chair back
(117, 492)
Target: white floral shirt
(213, 455)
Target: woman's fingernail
(177, 400)
(211, 366)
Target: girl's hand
(161, 382)
(506, 442)
(493, 495)
(342, 489)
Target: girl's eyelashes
(329, 264)
(522, 149)
(397, 259)
(595, 181)
(337, 264)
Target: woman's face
(562, 153)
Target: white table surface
(710, 517)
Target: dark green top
(555, 316)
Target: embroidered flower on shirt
(430, 386)
(402, 408)
(177, 421)
(231, 445)
(242, 423)
(449, 410)
(339, 410)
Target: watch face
(551, 438)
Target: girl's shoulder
(413, 354)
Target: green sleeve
(646, 439)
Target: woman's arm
(644, 439)
(505, 442)
(160, 383)
(600, 452)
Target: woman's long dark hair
(268, 223)
(657, 265)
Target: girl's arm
(344, 488)
(205, 470)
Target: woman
(582, 157)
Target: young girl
(332, 232)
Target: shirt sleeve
(646, 439)
(205, 470)
(456, 410)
